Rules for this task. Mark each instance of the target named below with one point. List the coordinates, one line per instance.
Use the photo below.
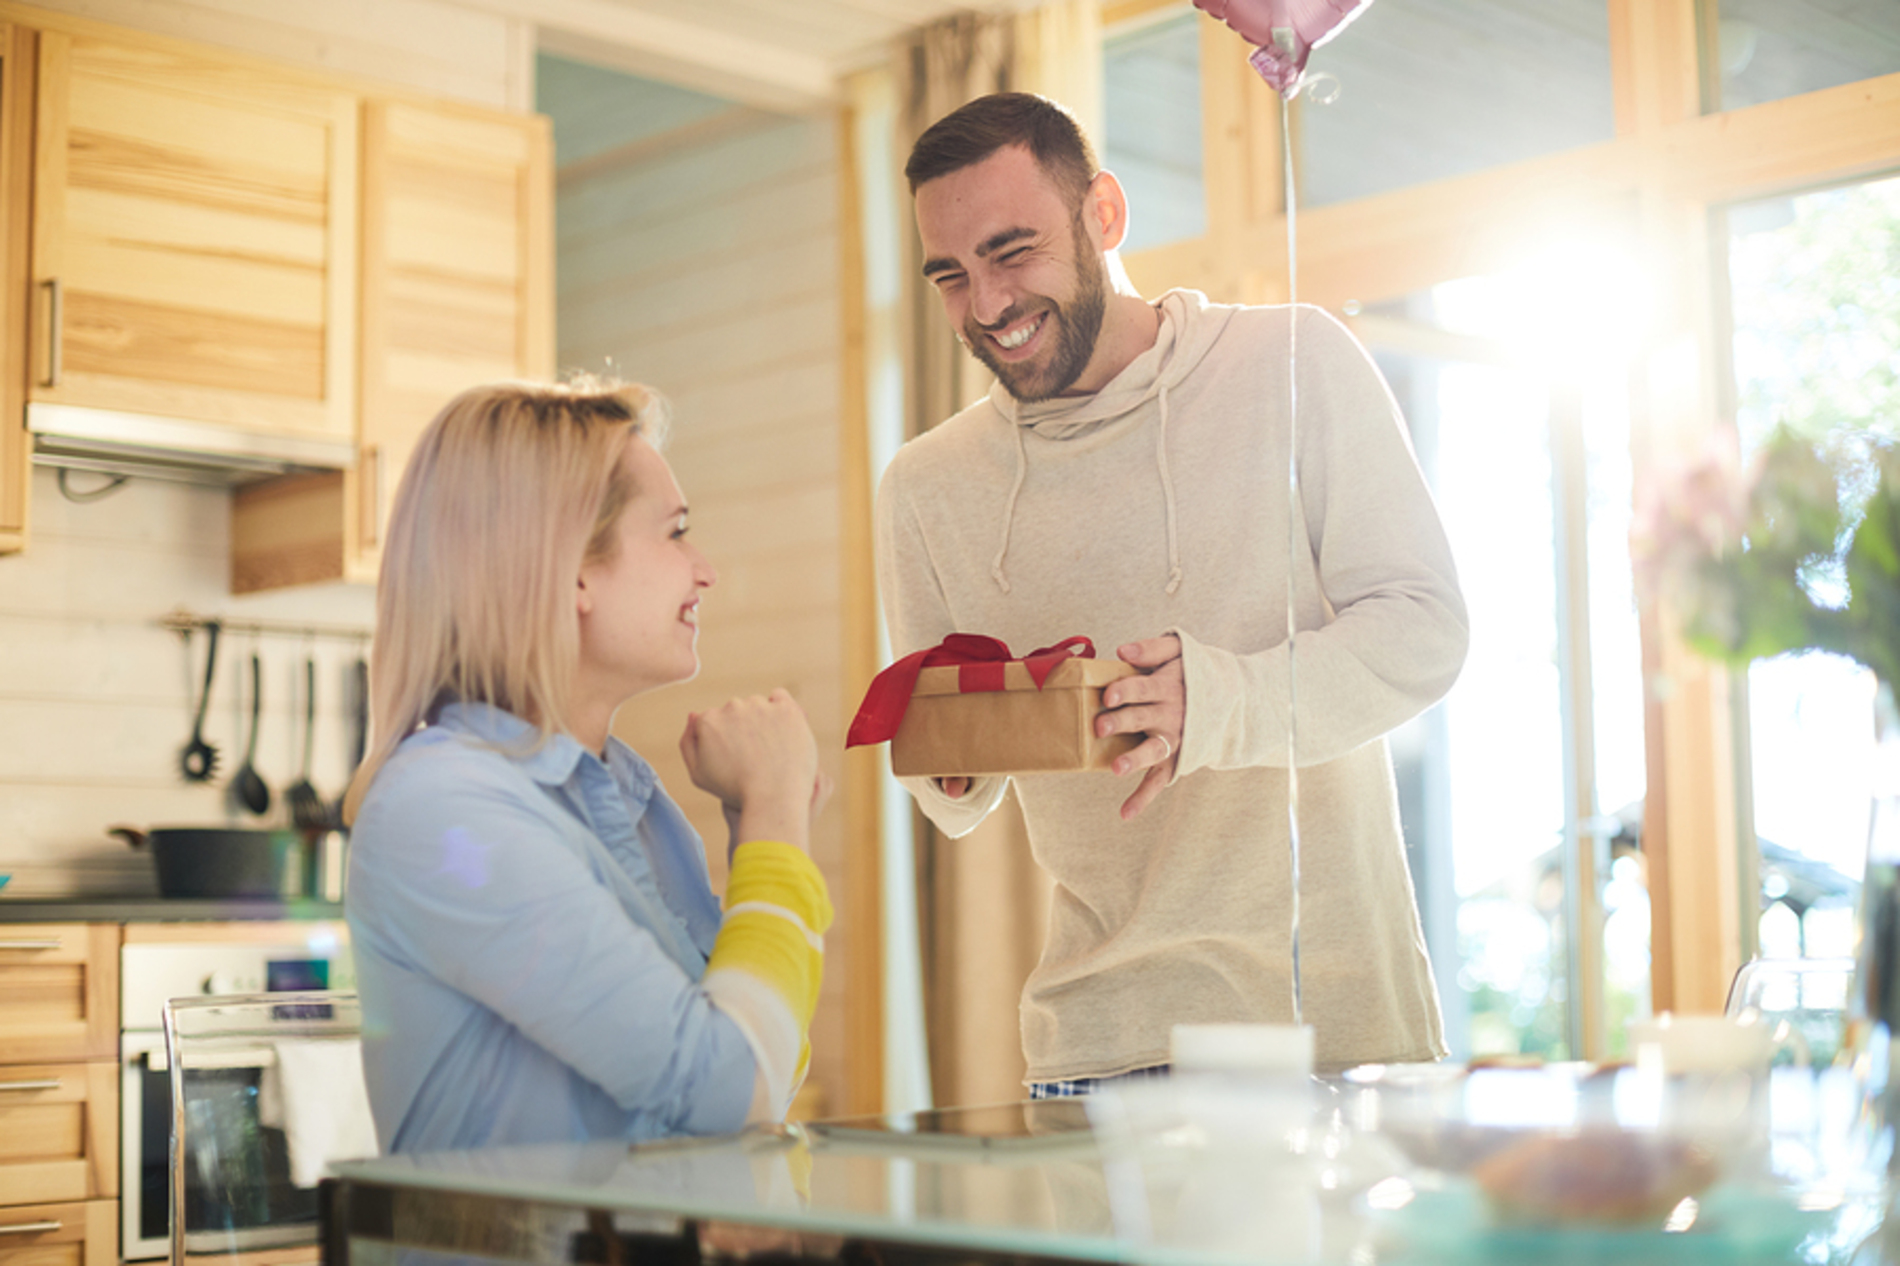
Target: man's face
(1019, 277)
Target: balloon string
(1292, 540)
(1321, 85)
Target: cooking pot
(196, 861)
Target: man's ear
(1107, 210)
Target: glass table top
(1432, 1168)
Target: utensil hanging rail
(183, 621)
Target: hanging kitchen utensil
(359, 737)
(199, 760)
(307, 809)
(248, 787)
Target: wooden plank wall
(708, 269)
(433, 46)
(94, 696)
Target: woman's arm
(757, 755)
(467, 874)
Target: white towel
(314, 1093)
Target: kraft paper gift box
(1019, 729)
(967, 706)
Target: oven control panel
(284, 957)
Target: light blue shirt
(529, 934)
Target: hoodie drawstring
(1009, 511)
(1167, 499)
(1167, 495)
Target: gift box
(968, 707)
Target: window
(1522, 792)
(1433, 88)
(1152, 134)
(1815, 308)
(1768, 49)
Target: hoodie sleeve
(916, 616)
(1395, 631)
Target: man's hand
(1154, 702)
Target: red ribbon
(981, 665)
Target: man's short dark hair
(971, 133)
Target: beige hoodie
(1160, 504)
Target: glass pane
(1816, 312)
(1769, 49)
(1482, 778)
(1151, 79)
(1435, 88)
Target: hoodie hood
(1190, 326)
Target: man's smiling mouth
(1016, 338)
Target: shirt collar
(555, 761)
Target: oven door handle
(152, 1055)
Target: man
(1127, 478)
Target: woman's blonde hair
(510, 489)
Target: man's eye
(947, 280)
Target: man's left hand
(1154, 703)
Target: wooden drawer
(59, 1132)
(77, 1234)
(59, 992)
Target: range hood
(146, 446)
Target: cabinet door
(59, 1132)
(458, 280)
(59, 992)
(457, 289)
(194, 238)
(18, 69)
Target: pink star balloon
(1283, 32)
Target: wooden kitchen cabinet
(194, 238)
(59, 1132)
(70, 1234)
(19, 53)
(457, 289)
(59, 1087)
(59, 992)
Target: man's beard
(1078, 325)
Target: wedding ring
(1164, 743)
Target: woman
(538, 949)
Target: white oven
(171, 960)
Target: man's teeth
(1018, 337)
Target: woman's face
(639, 606)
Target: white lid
(1265, 1048)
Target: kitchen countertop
(160, 909)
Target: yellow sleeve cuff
(777, 910)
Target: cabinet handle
(30, 945)
(47, 1083)
(373, 497)
(53, 324)
(30, 1228)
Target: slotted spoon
(199, 760)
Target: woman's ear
(1108, 210)
(583, 597)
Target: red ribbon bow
(980, 664)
